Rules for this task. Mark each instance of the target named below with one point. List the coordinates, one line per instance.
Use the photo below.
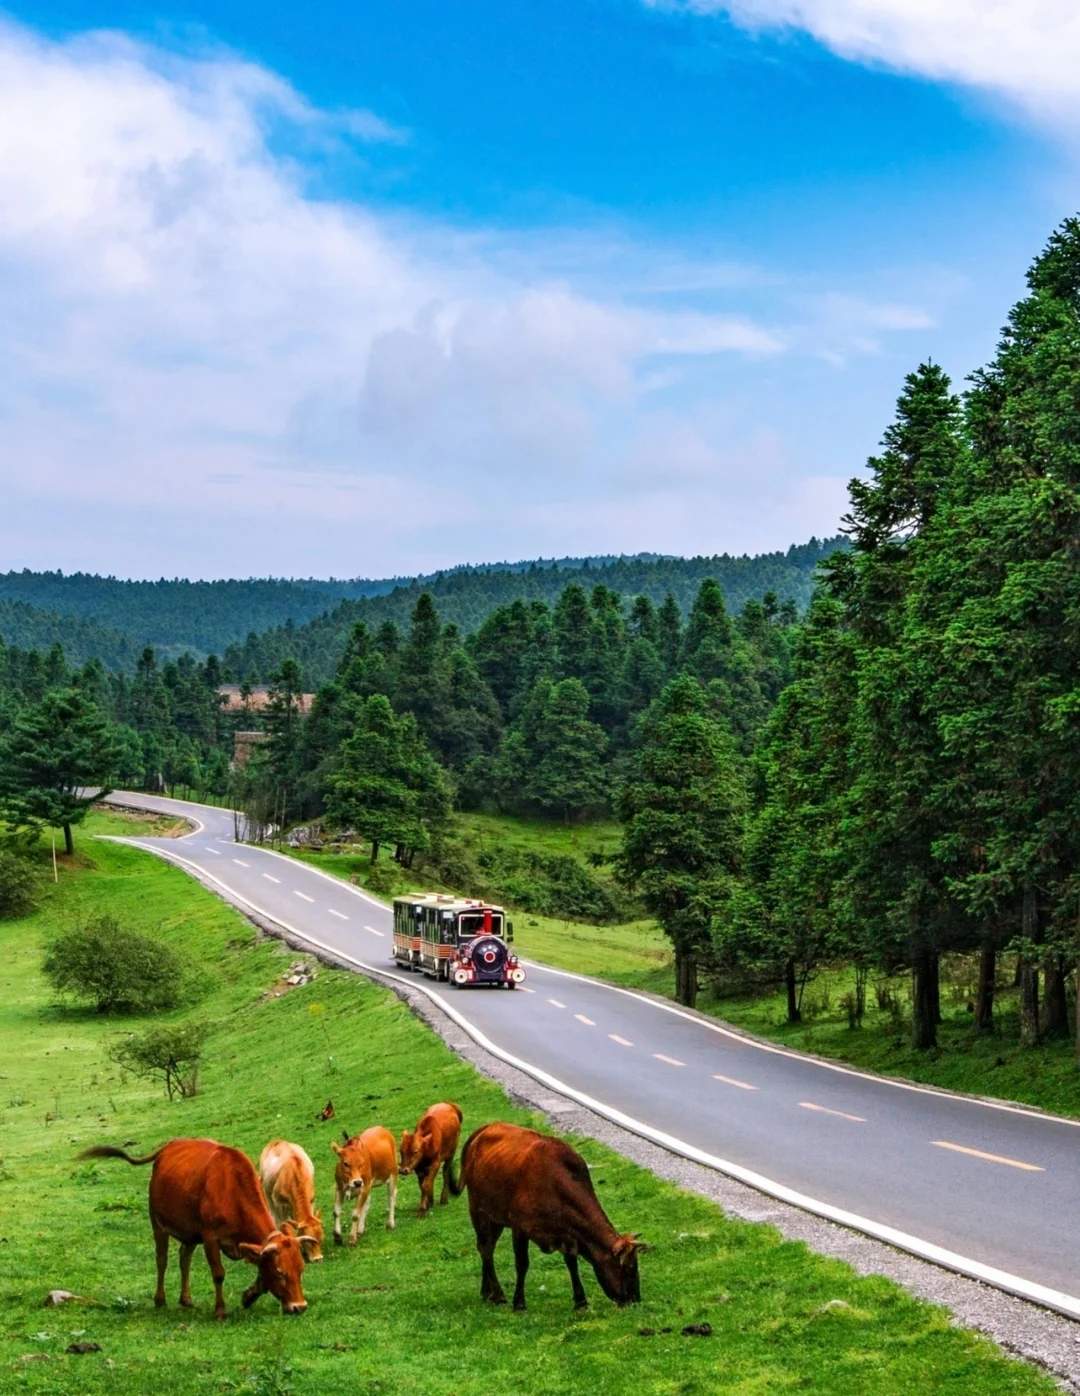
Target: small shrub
(117, 970)
(171, 1054)
(20, 884)
(885, 998)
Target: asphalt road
(989, 1190)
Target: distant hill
(465, 596)
(307, 618)
(30, 628)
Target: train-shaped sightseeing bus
(460, 941)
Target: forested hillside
(309, 619)
(466, 596)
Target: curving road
(988, 1190)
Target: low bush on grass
(20, 883)
(170, 1054)
(115, 969)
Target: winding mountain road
(989, 1190)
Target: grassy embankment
(401, 1313)
(637, 954)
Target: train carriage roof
(442, 902)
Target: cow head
(411, 1151)
(353, 1166)
(312, 1239)
(280, 1260)
(617, 1269)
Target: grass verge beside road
(400, 1313)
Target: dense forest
(308, 620)
(886, 779)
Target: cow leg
(337, 1215)
(391, 1189)
(521, 1263)
(581, 1299)
(427, 1190)
(359, 1216)
(187, 1250)
(161, 1255)
(217, 1274)
(487, 1236)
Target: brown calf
(541, 1189)
(202, 1191)
(288, 1179)
(426, 1148)
(364, 1162)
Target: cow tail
(108, 1151)
(459, 1182)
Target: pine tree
(681, 809)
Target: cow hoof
(187, 1303)
(390, 1226)
(519, 1306)
(337, 1239)
(159, 1301)
(584, 1304)
(496, 1298)
(219, 1314)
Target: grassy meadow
(400, 1313)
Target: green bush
(117, 970)
(20, 884)
(171, 1053)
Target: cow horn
(304, 1238)
(346, 1135)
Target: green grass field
(638, 955)
(401, 1313)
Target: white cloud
(1025, 50)
(197, 352)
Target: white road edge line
(631, 993)
(1067, 1304)
(339, 914)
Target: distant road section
(988, 1190)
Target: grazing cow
(541, 1189)
(426, 1148)
(364, 1162)
(288, 1179)
(205, 1192)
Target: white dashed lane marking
(240, 863)
(622, 1041)
(339, 914)
(556, 1004)
(215, 851)
(587, 1021)
(671, 1061)
(522, 990)
(730, 1081)
(824, 1110)
(269, 878)
(374, 932)
(302, 895)
(988, 1158)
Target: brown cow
(541, 1189)
(202, 1191)
(288, 1179)
(364, 1162)
(431, 1144)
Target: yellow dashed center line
(730, 1081)
(671, 1061)
(989, 1158)
(824, 1110)
(622, 1041)
(587, 1021)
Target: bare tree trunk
(923, 1018)
(685, 977)
(935, 987)
(794, 1012)
(69, 842)
(984, 1000)
(374, 852)
(1056, 1005)
(1029, 971)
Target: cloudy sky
(371, 289)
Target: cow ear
(288, 1227)
(250, 1252)
(335, 1146)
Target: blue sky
(378, 288)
